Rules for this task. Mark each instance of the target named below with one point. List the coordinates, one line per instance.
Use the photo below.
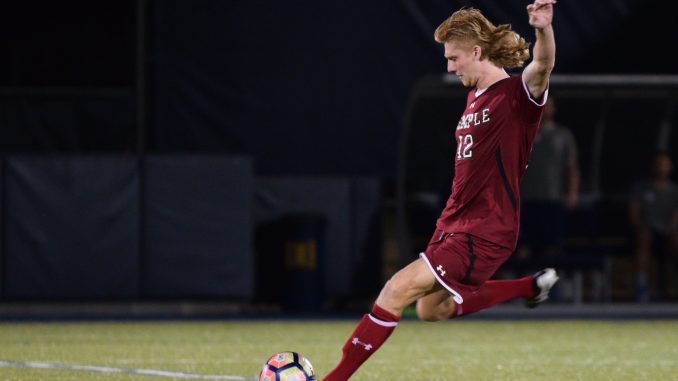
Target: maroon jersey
(494, 138)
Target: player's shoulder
(513, 80)
(503, 86)
(516, 79)
(511, 84)
(510, 81)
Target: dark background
(179, 126)
(305, 87)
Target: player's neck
(494, 74)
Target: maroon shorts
(461, 262)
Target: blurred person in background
(653, 214)
(549, 189)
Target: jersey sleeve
(528, 107)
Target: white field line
(105, 369)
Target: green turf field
(458, 350)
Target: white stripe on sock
(382, 323)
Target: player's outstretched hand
(541, 13)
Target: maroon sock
(494, 292)
(368, 336)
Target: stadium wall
(177, 227)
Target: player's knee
(426, 313)
(431, 313)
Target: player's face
(461, 60)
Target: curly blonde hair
(501, 45)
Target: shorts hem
(455, 295)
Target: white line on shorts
(105, 369)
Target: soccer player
(478, 229)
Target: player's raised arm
(536, 74)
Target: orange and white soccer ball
(287, 366)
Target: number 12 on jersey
(464, 147)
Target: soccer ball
(287, 366)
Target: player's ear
(477, 51)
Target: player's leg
(464, 264)
(406, 286)
(535, 289)
(439, 305)
(436, 307)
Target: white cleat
(543, 281)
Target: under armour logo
(355, 341)
(472, 105)
(440, 270)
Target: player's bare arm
(537, 73)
